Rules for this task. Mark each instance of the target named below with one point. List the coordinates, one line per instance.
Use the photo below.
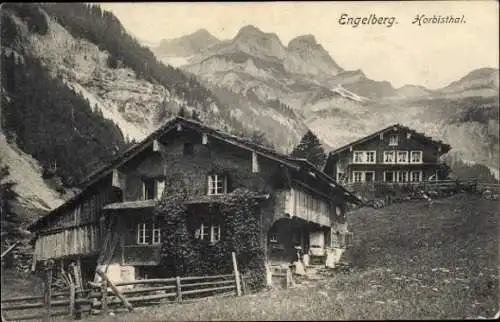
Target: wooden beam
(381, 136)
(156, 146)
(115, 290)
(11, 248)
(255, 162)
(115, 182)
(48, 291)
(236, 274)
(178, 287)
(288, 177)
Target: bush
(182, 254)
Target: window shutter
(209, 184)
(160, 187)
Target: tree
(310, 148)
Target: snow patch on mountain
(174, 61)
(339, 89)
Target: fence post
(48, 289)
(179, 292)
(104, 296)
(236, 274)
(72, 298)
(115, 290)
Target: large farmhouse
(395, 154)
(111, 222)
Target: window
(215, 236)
(204, 232)
(364, 157)
(217, 184)
(389, 176)
(141, 234)
(402, 176)
(370, 157)
(416, 176)
(156, 234)
(388, 156)
(357, 176)
(340, 176)
(152, 188)
(416, 157)
(358, 156)
(188, 148)
(393, 140)
(402, 156)
(148, 233)
(369, 176)
(148, 189)
(210, 232)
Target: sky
(432, 55)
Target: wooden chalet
(110, 223)
(395, 154)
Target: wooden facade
(113, 216)
(396, 154)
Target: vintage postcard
(314, 160)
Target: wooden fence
(102, 297)
(369, 191)
(494, 187)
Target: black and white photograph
(249, 161)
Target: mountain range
(107, 91)
(341, 105)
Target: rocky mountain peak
(302, 41)
(306, 56)
(254, 41)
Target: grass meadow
(409, 261)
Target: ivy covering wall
(240, 214)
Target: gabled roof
(444, 147)
(101, 173)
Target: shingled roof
(102, 172)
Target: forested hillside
(43, 116)
(50, 118)
(103, 29)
